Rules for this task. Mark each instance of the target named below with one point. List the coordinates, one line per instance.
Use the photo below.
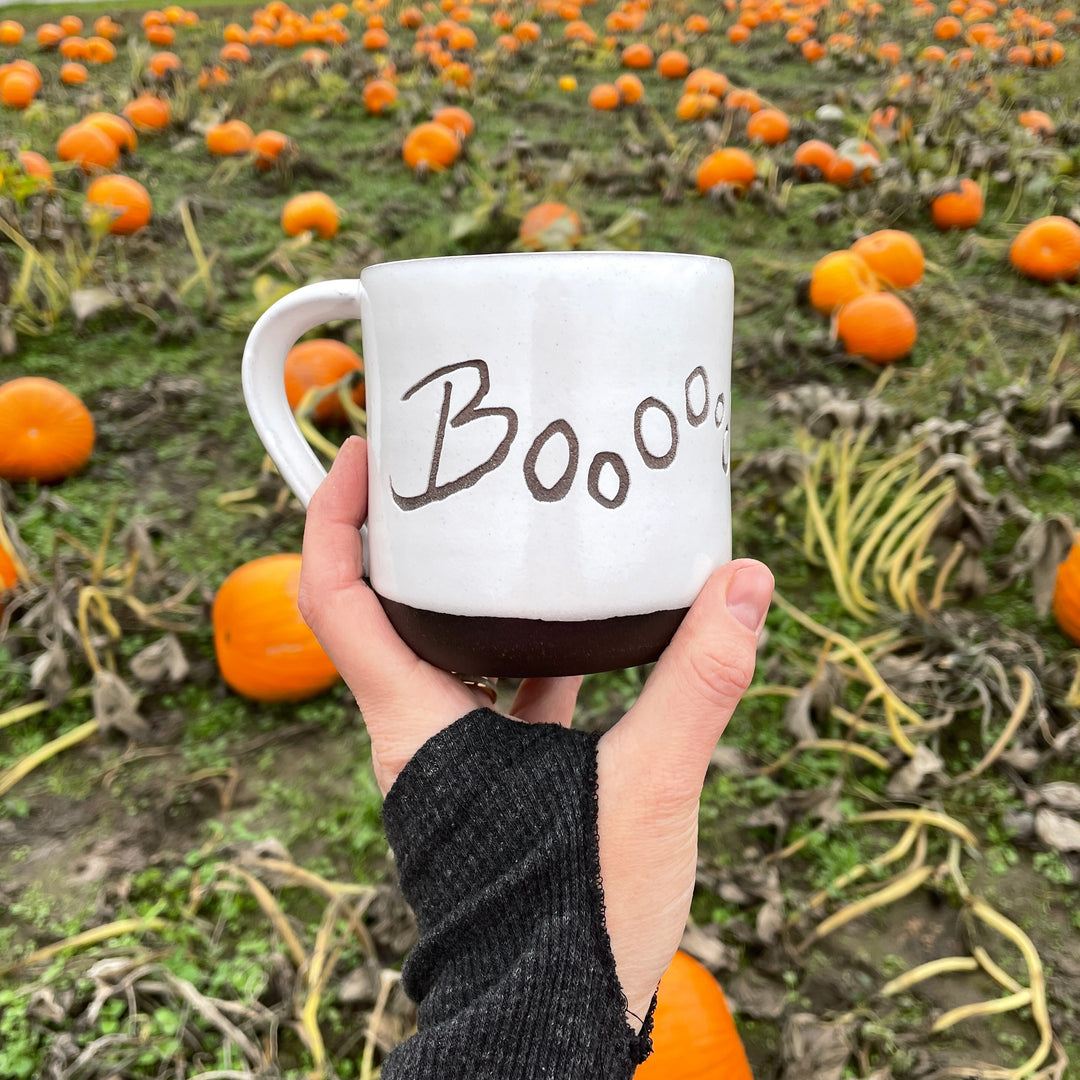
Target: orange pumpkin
(126, 199)
(837, 278)
(321, 362)
(310, 210)
(550, 226)
(961, 208)
(1066, 603)
(878, 326)
(730, 166)
(1047, 249)
(8, 574)
(894, 255)
(229, 138)
(268, 146)
(116, 127)
(87, 145)
(48, 431)
(694, 1035)
(148, 113)
(431, 144)
(265, 651)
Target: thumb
(701, 676)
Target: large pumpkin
(1066, 604)
(48, 433)
(694, 1035)
(265, 650)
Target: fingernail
(749, 594)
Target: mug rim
(516, 256)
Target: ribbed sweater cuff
(493, 824)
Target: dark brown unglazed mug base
(493, 646)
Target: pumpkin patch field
(194, 880)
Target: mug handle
(263, 374)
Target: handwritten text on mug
(697, 383)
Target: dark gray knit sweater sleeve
(493, 824)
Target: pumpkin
(161, 63)
(878, 326)
(321, 362)
(638, 56)
(35, 164)
(125, 199)
(17, 88)
(87, 145)
(630, 87)
(1047, 249)
(696, 106)
(550, 226)
(839, 277)
(959, 208)
(73, 73)
(268, 146)
(49, 35)
(11, 32)
(457, 119)
(605, 97)
(116, 127)
(9, 575)
(895, 256)
(673, 64)
(694, 1035)
(1066, 603)
(148, 113)
(730, 166)
(48, 431)
(431, 145)
(229, 138)
(310, 210)
(378, 95)
(768, 126)
(812, 160)
(706, 81)
(265, 651)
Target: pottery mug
(548, 447)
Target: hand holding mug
(651, 764)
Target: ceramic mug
(548, 444)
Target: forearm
(494, 827)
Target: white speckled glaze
(612, 348)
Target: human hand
(651, 765)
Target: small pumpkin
(768, 126)
(550, 226)
(125, 199)
(265, 651)
(812, 160)
(895, 256)
(48, 431)
(321, 362)
(959, 208)
(694, 1034)
(1047, 249)
(268, 146)
(730, 166)
(229, 138)
(310, 210)
(878, 326)
(1066, 602)
(839, 277)
(87, 145)
(148, 112)
(431, 145)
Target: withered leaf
(909, 778)
(49, 672)
(1061, 795)
(1041, 548)
(815, 1049)
(116, 706)
(164, 659)
(1056, 830)
(754, 994)
(730, 760)
(705, 945)
(86, 303)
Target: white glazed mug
(548, 447)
